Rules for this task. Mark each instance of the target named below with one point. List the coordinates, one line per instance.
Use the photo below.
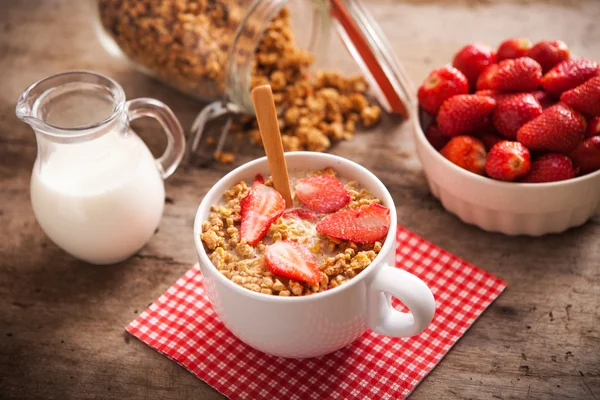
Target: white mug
(310, 326)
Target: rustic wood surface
(61, 321)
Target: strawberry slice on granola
(301, 213)
(292, 260)
(366, 224)
(322, 193)
(261, 206)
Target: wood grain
(61, 321)
(266, 115)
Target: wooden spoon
(266, 115)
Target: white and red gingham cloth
(182, 325)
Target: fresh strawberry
(512, 112)
(550, 167)
(261, 206)
(472, 59)
(569, 74)
(518, 75)
(548, 53)
(292, 260)
(301, 213)
(322, 193)
(508, 161)
(466, 152)
(593, 127)
(558, 129)
(584, 98)
(544, 98)
(259, 178)
(489, 139)
(586, 156)
(512, 48)
(494, 94)
(366, 224)
(464, 114)
(441, 84)
(435, 137)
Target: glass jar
(209, 48)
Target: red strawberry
(301, 213)
(441, 84)
(322, 193)
(512, 112)
(259, 178)
(466, 152)
(586, 156)
(512, 48)
(261, 206)
(584, 98)
(435, 137)
(292, 260)
(550, 168)
(593, 127)
(489, 139)
(558, 129)
(494, 94)
(472, 59)
(548, 53)
(518, 75)
(464, 114)
(508, 161)
(366, 224)
(569, 74)
(543, 98)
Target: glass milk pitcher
(96, 190)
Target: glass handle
(144, 107)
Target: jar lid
(371, 50)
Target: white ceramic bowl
(318, 324)
(512, 208)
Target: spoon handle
(266, 115)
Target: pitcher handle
(145, 107)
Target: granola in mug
(335, 230)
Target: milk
(100, 201)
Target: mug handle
(145, 107)
(412, 291)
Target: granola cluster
(244, 264)
(187, 44)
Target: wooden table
(61, 321)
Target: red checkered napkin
(182, 325)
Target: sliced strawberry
(569, 74)
(593, 127)
(512, 112)
(466, 152)
(512, 48)
(292, 260)
(259, 178)
(550, 168)
(261, 206)
(435, 137)
(559, 129)
(508, 161)
(548, 53)
(518, 75)
(586, 156)
(441, 84)
(584, 98)
(366, 224)
(322, 193)
(472, 59)
(301, 213)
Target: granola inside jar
(218, 50)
